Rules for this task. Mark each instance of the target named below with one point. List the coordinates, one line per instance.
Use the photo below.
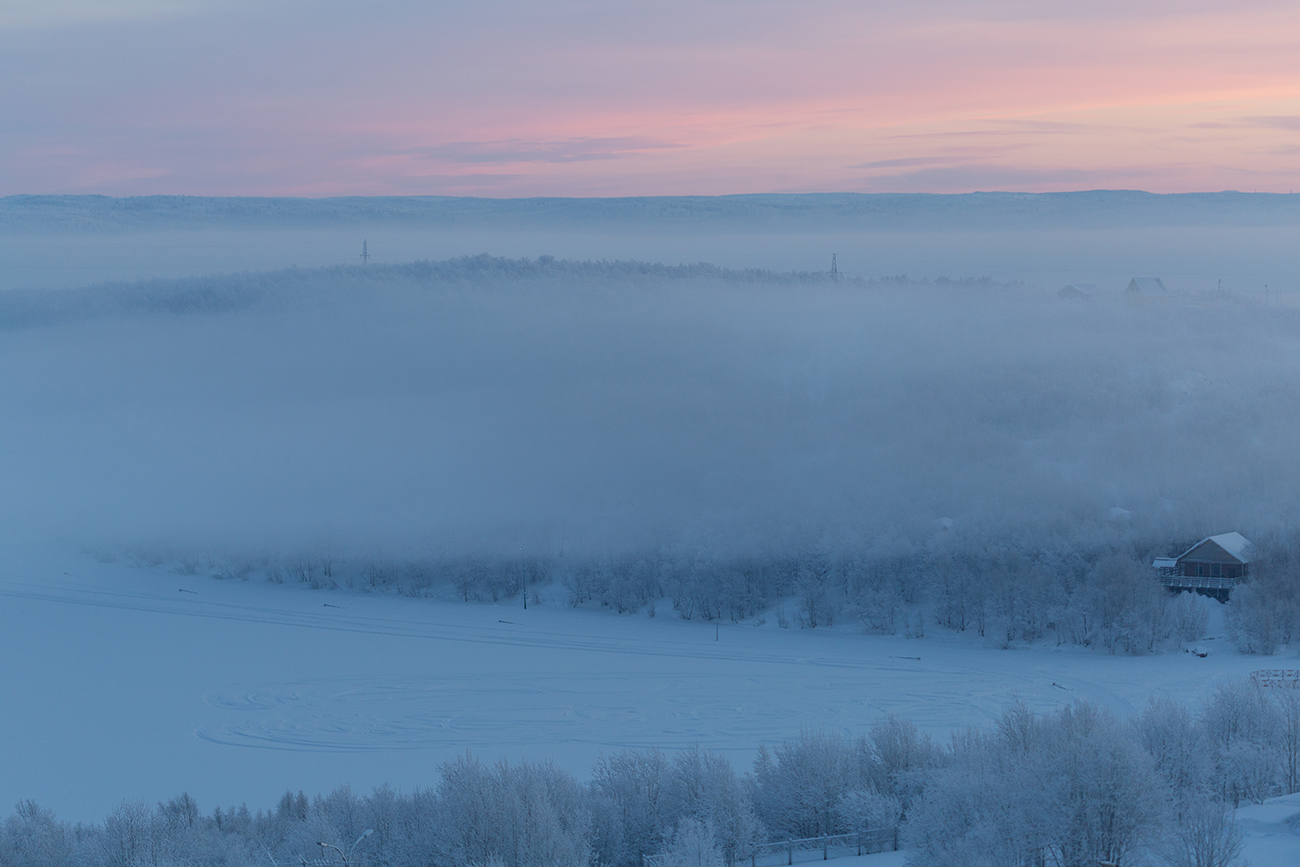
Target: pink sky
(578, 98)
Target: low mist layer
(487, 406)
(1196, 241)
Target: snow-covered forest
(689, 439)
(1070, 788)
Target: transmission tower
(835, 269)
(365, 254)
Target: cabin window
(1216, 571)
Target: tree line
(1066, 788)
(1008, 592)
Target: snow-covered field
(140, 683)
(1270, 832)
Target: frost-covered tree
(1206, 835)
(1170, 733)
(695, 844)
(1286, 703)
(703, 788)
(630, 804)
(1241, 726)
(797, 785)
(128, 836)
(894, 758)
(520, 815)
(1070, 789)
(33, 837)
(1189, 617)
(867, 809)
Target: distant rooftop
(1147, 286)
(1234, 543)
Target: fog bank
(488, 406)
(1104, 237)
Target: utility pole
(365, 254)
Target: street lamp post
(346, 856)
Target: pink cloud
(708, 97)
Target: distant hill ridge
(227, 292)
(877, 211)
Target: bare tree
(1207, 836)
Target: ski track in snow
(364, 713)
